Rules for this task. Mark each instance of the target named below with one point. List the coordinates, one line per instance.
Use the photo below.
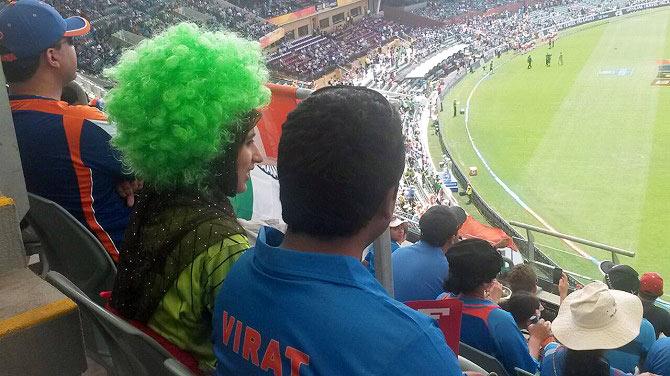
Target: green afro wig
(180, 100)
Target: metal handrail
(530, 229)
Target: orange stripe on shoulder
(57, 108)
(73, 126)
(85, 112)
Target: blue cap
(28, 27)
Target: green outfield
(586, 145)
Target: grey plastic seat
(69, 248)
(175, 368)
(520, 372)
(482, 359)
(132, 352)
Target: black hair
(472, 262)
(585, 363)
(522, 278)
(522, 305)
(340, 153)
(23, 69)
(437, 225)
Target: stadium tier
(233, 181)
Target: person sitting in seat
(522, 277)
(658, 358)
(651, 288)
(186, 108)
(65, 152)
(524, 307)
(590, 321)
(419, 270)
(473, 267)
(626, 358)
(398, 234)
(302, 303)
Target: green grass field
(588, 151)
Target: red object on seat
(448, 313)
(184, 357)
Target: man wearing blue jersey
(303, 304)
(65, 151)
(420, 269)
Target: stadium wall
(334, 17)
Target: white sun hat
(596, 317)
(396, 221)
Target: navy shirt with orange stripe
(67, 158)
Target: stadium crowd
(145, 18)
(274, 8)
(157, 194)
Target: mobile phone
(533, 320)
(556, 275)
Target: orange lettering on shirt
(228, 323)
(272, 358)
(238, 334)
(252, 342)
(297, 358)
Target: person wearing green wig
(185, 106)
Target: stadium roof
(421, 70)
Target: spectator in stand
(340, 158)
(626, 358)
(420, 269)
(590, 321)
(523, 306)
(473, 267)
(522, 278)
(651, 288)
(658, 359)
(64, 149)
(186, 105)
(398, 232)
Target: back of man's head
(440, 223)
(522, 278)
(341, 155)
(624, 278)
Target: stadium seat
(175, 368)
(520, 372)
(69, 248)
(486, 361)
(132, 352)
(448, 313)
(469, 366)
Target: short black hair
(340, 153)
(437, 225)
(19, 70)
(472, 262)
(23, 69)
(522, 305)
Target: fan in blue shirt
(624, 278)
(419, 270)
(303, 304)
(398, 233)
(473, 267)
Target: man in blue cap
(65, 151)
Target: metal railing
(530, 229)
